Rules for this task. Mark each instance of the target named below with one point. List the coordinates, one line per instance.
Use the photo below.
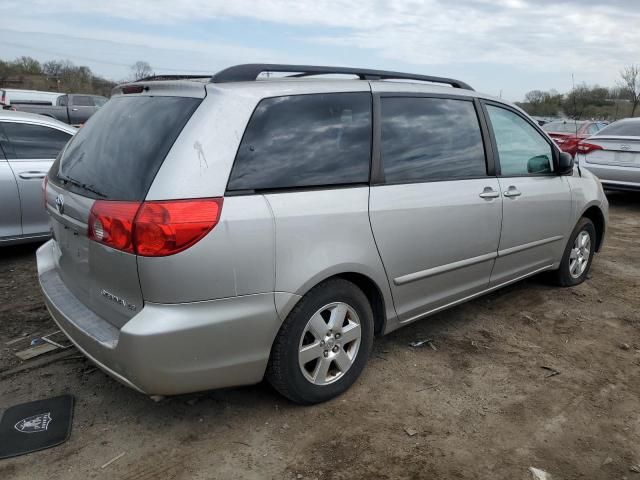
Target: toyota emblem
(60, 203)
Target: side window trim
(6, 149)
(554, 150)
(377, 164)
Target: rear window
(118, 152)
(305, 141)
(622, 129)
(562, 127)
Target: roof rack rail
(173, 77)
(250, 71)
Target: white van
(14, 95)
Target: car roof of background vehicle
(34, 118)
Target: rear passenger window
(25, 141)
(305, 141)
(428, 139)
(83, 100)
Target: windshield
(118, 152)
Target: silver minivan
(211, 232)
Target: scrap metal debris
(117, 457)
(553, 372)
(420, 343)
(539, 474)
(41, 345)
(410, 431)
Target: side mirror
(539, 164)
(565, 163)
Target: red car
(569, 133)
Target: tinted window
(305, 140)
(622, 128)
(63, 101)
(82, 100)
(120, 150)
(25, 141)
(426, 139)
(521, 148)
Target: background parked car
(14, 95)
(73, 109)
(28, 145)
(613, 155)
(568, 133)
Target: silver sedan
(28, 146)
(613, 155)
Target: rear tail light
(585, 148)
(153, 229)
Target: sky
(500, 47)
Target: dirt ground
(481, 406)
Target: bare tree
(631, 85)
(141, 70)
(28, 65)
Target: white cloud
(534, 34)
(587, 37)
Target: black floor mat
(35, 426)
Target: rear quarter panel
(322, 233)
(235, 258)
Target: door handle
(489, 192)
(512, 192)
(32, 175)
(74, 109)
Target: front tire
(578, 255)
(323, 345)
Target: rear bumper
(169, 349)
(622, 186)
(615, 177)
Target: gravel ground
(482, 405)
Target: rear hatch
(114, 157)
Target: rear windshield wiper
(84, 186)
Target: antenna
(575, 106)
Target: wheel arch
(595, 214)
(379, 296)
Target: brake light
(134, 89)
(153, 229)
(585, 148)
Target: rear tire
(578, 255)
(323, 345)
